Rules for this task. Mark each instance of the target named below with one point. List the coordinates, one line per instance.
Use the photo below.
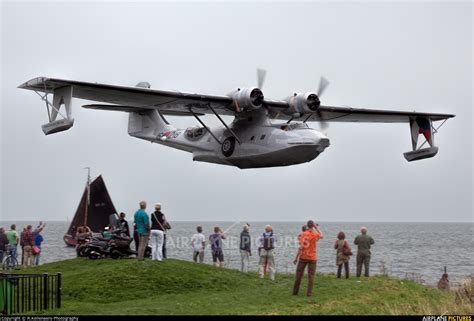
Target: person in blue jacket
(38, 240)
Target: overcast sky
(376, 55)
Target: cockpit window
(298, 125)
(194, 132)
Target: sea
(417, 251)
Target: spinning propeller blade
(323, 83)
(261, 77)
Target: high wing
(141, 99)
(348, 114)
(123, 98)
(134, 98)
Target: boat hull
(69, 240)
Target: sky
(406, 56)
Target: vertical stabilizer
(149, 124)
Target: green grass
(179, 287)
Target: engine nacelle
(303, 103)
(246, 99)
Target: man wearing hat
(160, 223)
(307, 256)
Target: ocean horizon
(412, 250)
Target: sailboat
(95, 210)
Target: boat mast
(88, 194)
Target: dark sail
(99, 210)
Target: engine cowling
(303, 102)
(246, 99)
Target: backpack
(268, 242)
(346, 250)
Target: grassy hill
(179, 287)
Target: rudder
(147, 124)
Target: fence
(21, 293)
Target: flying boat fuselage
(248, 142)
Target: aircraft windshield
(288, 127)
(194, 132)
(298, 125)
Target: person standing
(123, 224)
(343, 252)
(136, 238)
(307, 256)
(198, 242)
(22, 252)
(13, 240)
(245, 248)
(303, 229)
(216, 247)
(163, 226)
(36, 249)
(38, 241)
(3, 244)
(142, 222)
(27, 242)
(363, 242)
(157, 234)
(267, 243)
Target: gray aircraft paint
(271, 146)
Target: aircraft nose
(322, 143)
(311, 139)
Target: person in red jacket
(27, 241)
(307, 256)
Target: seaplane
(263, 133)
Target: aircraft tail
(148, 124)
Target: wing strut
(225, 125)
(204, 125)
(434, 130)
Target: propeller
(256, 96)
(323, 83)
(261, 73)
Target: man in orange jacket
(307, 256)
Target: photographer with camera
(307, 256)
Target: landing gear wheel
(228, 146)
